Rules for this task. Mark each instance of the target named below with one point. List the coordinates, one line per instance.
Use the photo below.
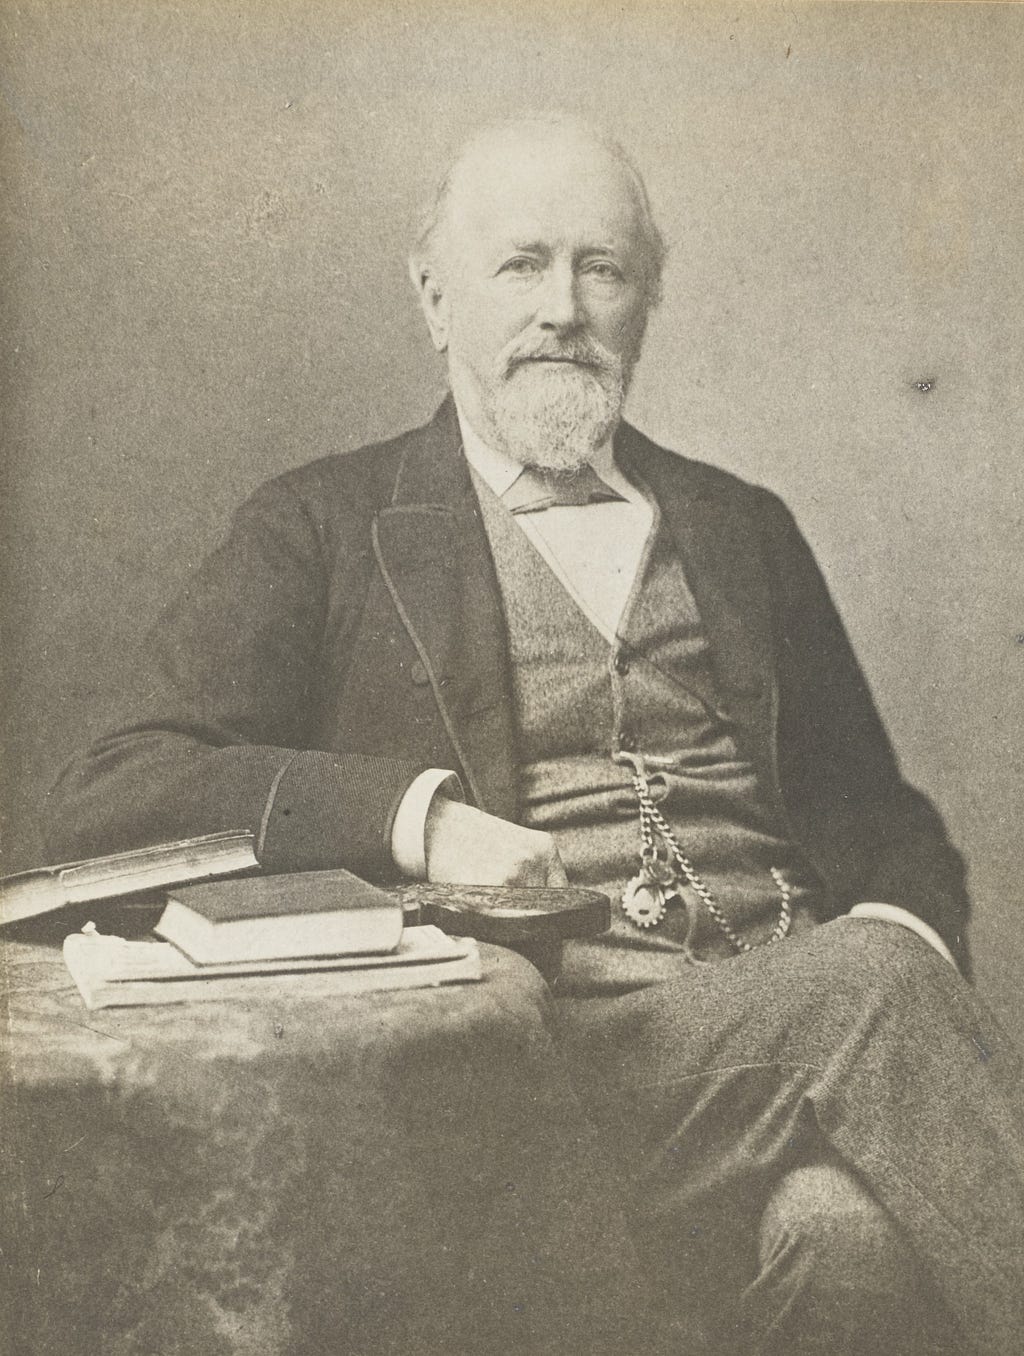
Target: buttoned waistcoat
(348, 633)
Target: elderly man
(525, 645)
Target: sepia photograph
(512, 634)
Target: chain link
(652, 819)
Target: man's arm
(219, 722)
(875, 837)
(221, 716)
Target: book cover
(308, 913)
(29, 894)
(510, 915)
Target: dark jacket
(349, 634)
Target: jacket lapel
(434, 557)
(727, 576)
(433, 554)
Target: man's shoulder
(362, 479)
(689, 476)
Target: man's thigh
(855, 1035)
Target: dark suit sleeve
(219, 726)
(874, 836)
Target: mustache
(581, 350)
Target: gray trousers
(820, 1144)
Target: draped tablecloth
(404, 1172)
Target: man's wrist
(408, 832)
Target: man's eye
(520, 266)
(604, 270)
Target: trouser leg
(712, 1087)
(836, 1277)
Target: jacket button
(627, 741)
(621, 662)
(419, 674)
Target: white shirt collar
(499, 471)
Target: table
(404, 1172)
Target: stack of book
(223, 930)
(322, 932)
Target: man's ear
(434, 303)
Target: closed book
(115, 972)
(29, 894)
(308, 913)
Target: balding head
(524, 146)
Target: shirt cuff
(890, 913)
(408, 848)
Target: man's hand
(465, 846)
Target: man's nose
(559, 305)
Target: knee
(878, 965)
(878, 950)
(822, 1217)
(837, 1276)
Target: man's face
(541, 296)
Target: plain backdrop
(205, 216)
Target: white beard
(553, 416)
